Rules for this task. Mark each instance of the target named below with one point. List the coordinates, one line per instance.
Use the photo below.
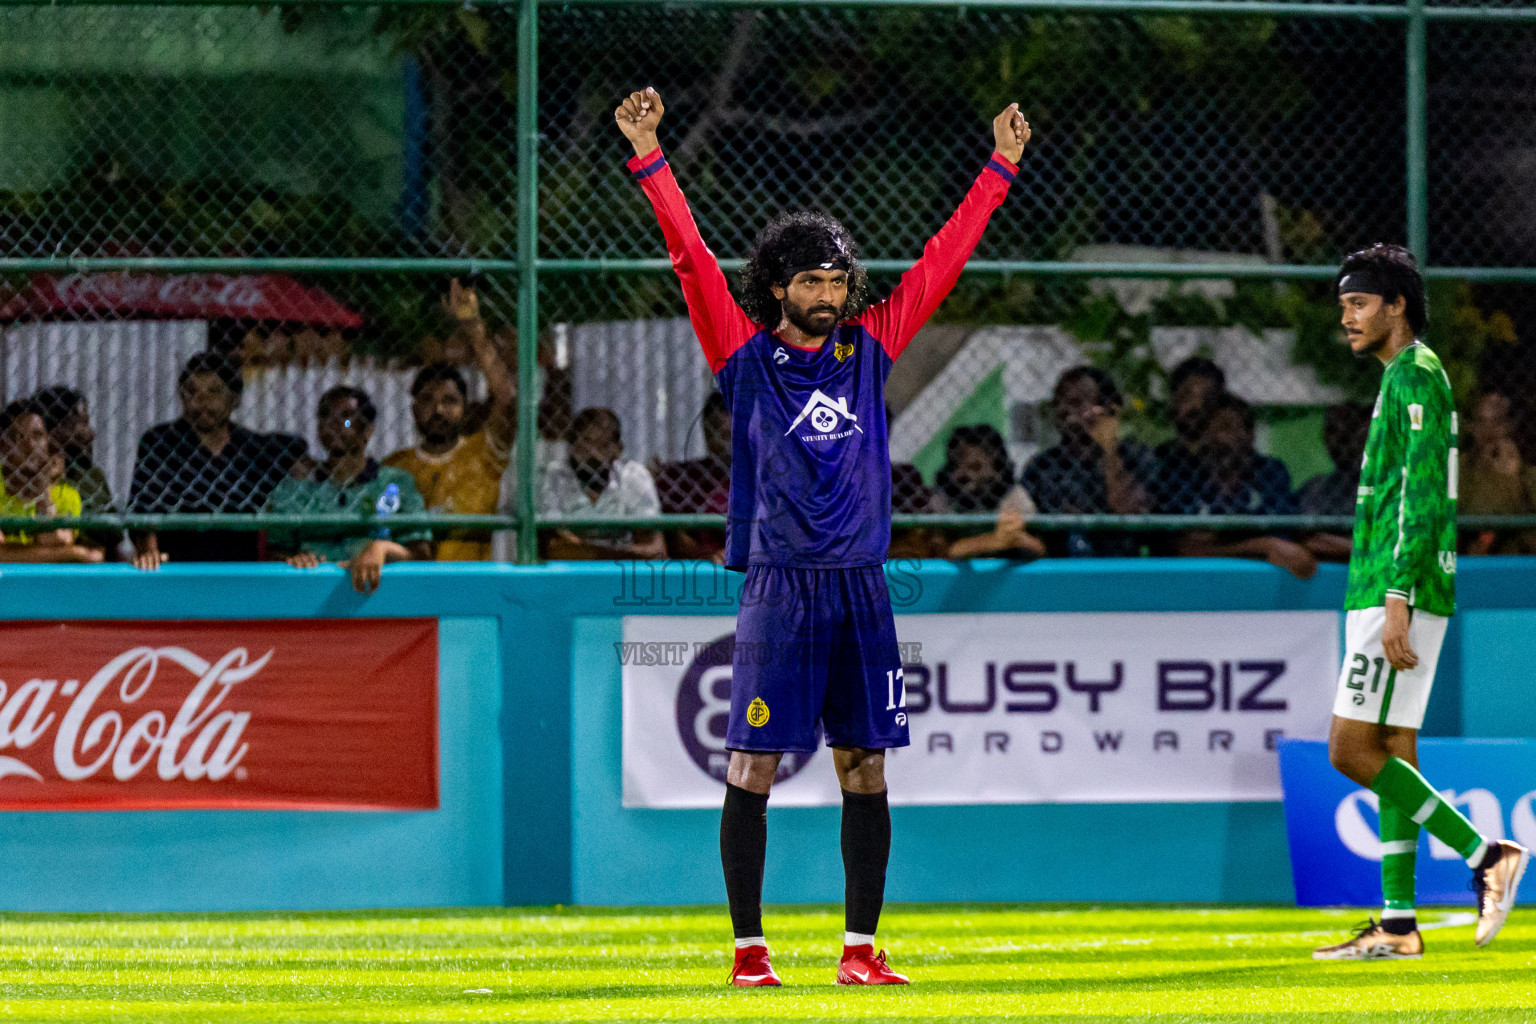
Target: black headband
(831, 263)
(1367, 282)
(824, 253)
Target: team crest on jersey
(826, 416)
(842, 351)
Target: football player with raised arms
(802, 364)
(1402, 588)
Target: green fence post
(1417, 131)
(528, 275)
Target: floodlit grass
(968, 963)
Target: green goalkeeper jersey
(1405, 514)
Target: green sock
(1399, 854)
(1401, 784)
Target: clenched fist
(638, 117)
(1011, 132)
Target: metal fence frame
(529, 265)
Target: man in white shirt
(592, 480)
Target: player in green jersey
(1402, 588)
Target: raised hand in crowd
(462, 306)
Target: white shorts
(1370, 690)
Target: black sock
(743, 848)
(1400, 925)
(866, 851)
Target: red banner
(293, 714)
(195, 296)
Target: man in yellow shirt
(457, 473)
(30, 486)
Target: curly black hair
(1398, 272)
(799, 238)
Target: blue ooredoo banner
(1331, 821)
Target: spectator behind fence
(1237, 480)
(911, 496)
(458, 472)
(1193, 388)
(204, 463)
(31, 485)
(1334, 494)
(977, 476)
(68, 420)
(348, 481)
(593, 480)
(1496, 478)
(1091, 469)
(700, 485)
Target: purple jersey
(810, 465)
(810, 462)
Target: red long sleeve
(894, 321)
(718, 321)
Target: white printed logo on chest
(826, 415)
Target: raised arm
(721, 325)
(894, 321)
(463, 306)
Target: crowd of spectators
(206, 462)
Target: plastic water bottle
(387, 505)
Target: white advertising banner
(1060, 707)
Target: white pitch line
(1450, 921)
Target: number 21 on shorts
(895, 690)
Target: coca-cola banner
(314, 714)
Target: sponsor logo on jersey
(826, 416)
(757, 713)
(1416, 416)
(780, 356)
(842, 351)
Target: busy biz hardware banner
(272, 714)
(1014, 708)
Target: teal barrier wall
(530, 750)
(247, 860)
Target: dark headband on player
(1366, 283)
(836, 263)
(825, 253)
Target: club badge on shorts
(757, 712)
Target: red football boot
(861, 965)
(752, 968)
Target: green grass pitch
(968, 962)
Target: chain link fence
(326, 196)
